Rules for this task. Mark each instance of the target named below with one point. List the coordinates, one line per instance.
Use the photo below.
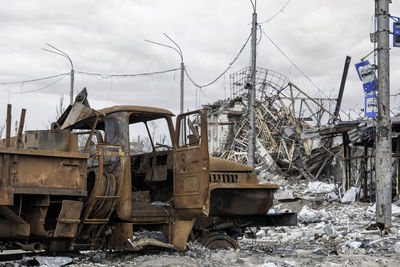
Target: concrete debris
(53, 261)
(354, 244)
(395, 210)
(396, 247)
(330, 230)
(350, 196)
(309, 215)
(332, 196)
(320, 187)
(99, 257)
(286, 195)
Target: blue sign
(396, 34)
(371, 105)
(367, 75)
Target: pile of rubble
(297, 135)
(332, 231)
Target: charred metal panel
(36, 217)
(78, 112)
(67, 221)
(191, 167)
(6, 192)
(29, 172)
(61, 140)
(117, 129)
(187, 182)
(145, 212)
(12, 225)
(239, 199)
(141, 163)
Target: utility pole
(71, 90)
(383, 129)
(252, 93)
(182, 85)
(62, 53)
(179, 51)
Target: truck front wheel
(217, 240)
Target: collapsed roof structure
(296, 134)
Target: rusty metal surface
(220, 164)
(140, 113)
(48, 172)
(60, 140)
(21, 127)
(12, 225)
(8, 125)
(141, 163)
(36, 216)
(217, 240)
(44, 153)
(191, 170)
(67, 221)
(180, 232)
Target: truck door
(191, 164)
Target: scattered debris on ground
(330, 233)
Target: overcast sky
(108, 37)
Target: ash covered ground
(332, 231)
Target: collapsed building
(297, 135)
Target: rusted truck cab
(85, 185)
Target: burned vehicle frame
(58, 195)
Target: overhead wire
(298, 68)
(36, 79)
(291, 62)
(223, 73)
(38, 89)
(107, 76)
(63, 75)
(277, 13)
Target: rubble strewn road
(330, 233)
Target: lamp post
(179, 51)
(62, 53)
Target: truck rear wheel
(217, 240)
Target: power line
(107, 76)
(276, 14)
(222, 74)
(104, 76)
(298, 69)
(38, 89)
(294, 64)
(35, 80)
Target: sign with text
(371, 105)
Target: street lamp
(62, 53)
(179, 51)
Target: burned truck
(84, 185)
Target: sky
(108, 37)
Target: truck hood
(223, 165)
